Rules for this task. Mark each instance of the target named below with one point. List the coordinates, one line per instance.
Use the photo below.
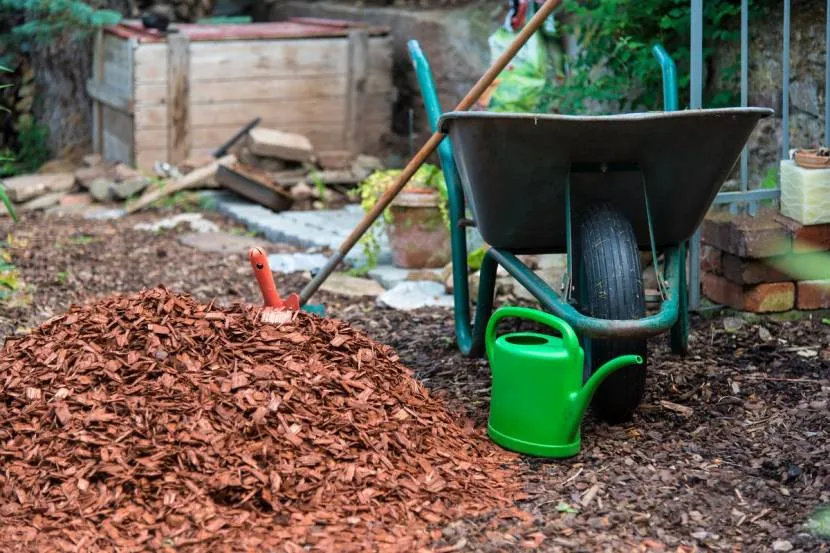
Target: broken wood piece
(255, 185)
(280, 144)
(679, 409)
(191, 180)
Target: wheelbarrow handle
(427, 149)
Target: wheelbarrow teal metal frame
(673, 314)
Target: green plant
(47, 19)
(370, 190)
(5, 159)
(615, 67)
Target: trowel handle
(568, 335)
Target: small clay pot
(813, 159)
(418, 235)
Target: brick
(279, 144)
(750, 271)
(711, 259)
(770, 297)
(806, 238)
(746, 236)
(813, 294)
(759, 298)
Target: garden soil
(729, 450)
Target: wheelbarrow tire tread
(610, 258)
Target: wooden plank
(321, 135)
(276, 89)
(356, 89)
(325, 110)
(97, 70)
(107, 95)
(178, 101)
(116, 135)
(132, 45)
(246, 59)
(116, 64)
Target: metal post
(696, 100)
(785, 84)
(827, 75)
(745, 87)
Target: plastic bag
(522, 85)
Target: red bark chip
(151, 422)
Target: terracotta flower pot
(418, 235)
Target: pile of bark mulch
(154, 422)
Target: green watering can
(538, 399)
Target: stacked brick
(764, 264)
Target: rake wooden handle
(426, 150)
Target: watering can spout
(582, 398)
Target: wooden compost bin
(165, 98)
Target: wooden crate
(164, 98)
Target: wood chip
(239, 436)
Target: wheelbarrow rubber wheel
(610, 286)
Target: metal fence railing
(746, 200)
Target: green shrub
(615, 66)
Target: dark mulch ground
(740, 469)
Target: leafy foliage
(615, 70)
(46, 19)
(5, 159)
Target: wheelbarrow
(600, 189)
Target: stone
(746, 236)
(86, 175)
(410, 295)
(104, 214)
(128, 188)
(346, 285)
(122, 172)
(296, 262)
(194, 220)
(804, 95)
(26, 187)
(91, 160)
(782, 545)
(388, 276)
(710, 259)
(364, 165)
(750, 271)
(220, 242)
(813, 294)
(760, 298)
(71, 200)
(806, 238)
(282, 145)
(43, 202)
(101, 189)
(302, 191)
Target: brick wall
(764, 264)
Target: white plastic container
(805, 193)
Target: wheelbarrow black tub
(514, 169)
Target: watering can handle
(568, 335)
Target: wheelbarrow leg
(679, 333)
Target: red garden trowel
(274, 305)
